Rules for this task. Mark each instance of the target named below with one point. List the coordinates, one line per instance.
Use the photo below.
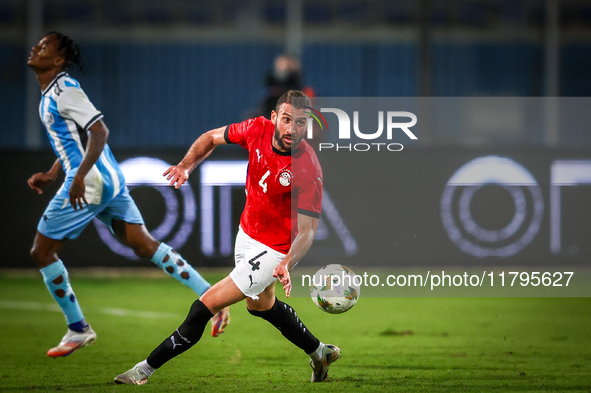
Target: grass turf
(388, 344)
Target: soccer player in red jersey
(280, 206)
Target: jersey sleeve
(239, 132)
(310, 194)
(74, 104)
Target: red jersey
(274, 194)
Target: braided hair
(70, 51)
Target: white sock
(146, 368)
(317, 354)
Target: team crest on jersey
(285, 178)
(48, 118)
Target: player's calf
(176, 266)
(183, 338)
(284, 318)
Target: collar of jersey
(281, 153)
(54, 81)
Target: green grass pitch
(388, 344)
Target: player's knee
(142, 250)
(257, 308)
(35, 255)
(258, 313)
(39, 257)
(272, 315)
(137, 238)
(142, 247)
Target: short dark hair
(70, 50)
(295, 98)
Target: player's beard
(294, 142)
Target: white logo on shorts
(251, 282)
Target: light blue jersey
(66, 111)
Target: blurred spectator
(285, 75)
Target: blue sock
(58, 283)
(173, 264)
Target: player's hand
(282, 273)
(176, 175)
(39, 181)
(77, 191)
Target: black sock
(284, 318)
(187, 335)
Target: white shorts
(255, 263)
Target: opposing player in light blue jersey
(94, 186)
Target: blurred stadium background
(162, 72)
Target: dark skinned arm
(40, 180)
(307, 227)
(199, 150)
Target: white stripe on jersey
(75, 134)
(94, 186)
(59, 148)
(112, 172)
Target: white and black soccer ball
(334, 288)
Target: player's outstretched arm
(42, 179)
(299, 247)
(97, 139)
(199, 150)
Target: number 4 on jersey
(262, 182)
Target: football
(335, 288)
